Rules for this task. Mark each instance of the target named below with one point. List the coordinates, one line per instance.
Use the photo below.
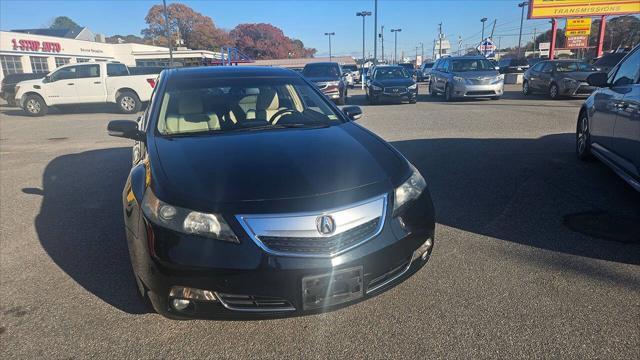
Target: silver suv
(466, 77)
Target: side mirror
(353, 112)
(47, 78)
(125, 129)
(598, 79)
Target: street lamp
(363, 14)
(483, 20)
(329, 35)
(395, 45)
(522, 5)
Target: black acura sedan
(252, 195)
(391, 83)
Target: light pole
(521, 5)
(364, 14)
(375, 31)
(421, 52)
(395, 45)
(329, 35)
(381, 35)
(483, 20)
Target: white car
(86, 83)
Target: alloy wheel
(33, 106)
(127, 103)
(553, 91)
(583, 135)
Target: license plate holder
(331, 289)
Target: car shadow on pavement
(66, 109)
(80, 224)
(526, 190)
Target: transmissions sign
(546, 9)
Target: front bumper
(248, 272)
(477, 91)
(382, 95)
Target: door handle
(97, 82)
(69, 83)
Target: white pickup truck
(86, 83)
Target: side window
(64, 73)
(628, 70)
(548, 67)
(88, 71)
(117, 70)
(445, 65)
(538, 67)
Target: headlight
(458, 79)
(498, 79)
(409, 190)
(186, 221)
(413, 87)
(376, 88)
(570, 82)
(332, 83)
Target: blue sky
(306, 20)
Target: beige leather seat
(267, 104)
(191, 115)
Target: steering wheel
(275, 117)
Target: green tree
(64, 22)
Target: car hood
(275, 164)
(322, 79)
(29, 83)
(393, 82)
(476, 74)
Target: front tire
(432, 91)
(526, 90)
(34, 105)
(447, 93)
(583, 138)
(128, 102)
(554, 92)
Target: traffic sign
(487, 48)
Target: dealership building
(43, 50)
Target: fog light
(423, 250)
(180, 304)
(182, 292)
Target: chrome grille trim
(248, 303)
(303, 225)
(390, 90)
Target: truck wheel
(34, 105)
(128, 102)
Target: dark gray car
(558, 78)
(609, 122)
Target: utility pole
(364, 14)
(534, 42)
(168, 31)
(417, 47)
(440, 40)
(499, 40)
(375, 30)
(483, 20)
(381, 36)
(329, 34)
(421, 51)
(395, 45)
(521, 5)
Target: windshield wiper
(287, 126)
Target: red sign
(34, 45)
(577, 42)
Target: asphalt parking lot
(513, 274)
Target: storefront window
(39, 64)
(11, 64)
(62, 61)
(81, 60)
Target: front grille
(479, 81)
(321, 245)
(395, 90)
(254, 303)
(483, 92)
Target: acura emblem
(325, 224)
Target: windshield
(461, 65)
(428, 65)
(349, 68)
(224, 105)
(391, 73)
(609, 60)
(328, 71)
